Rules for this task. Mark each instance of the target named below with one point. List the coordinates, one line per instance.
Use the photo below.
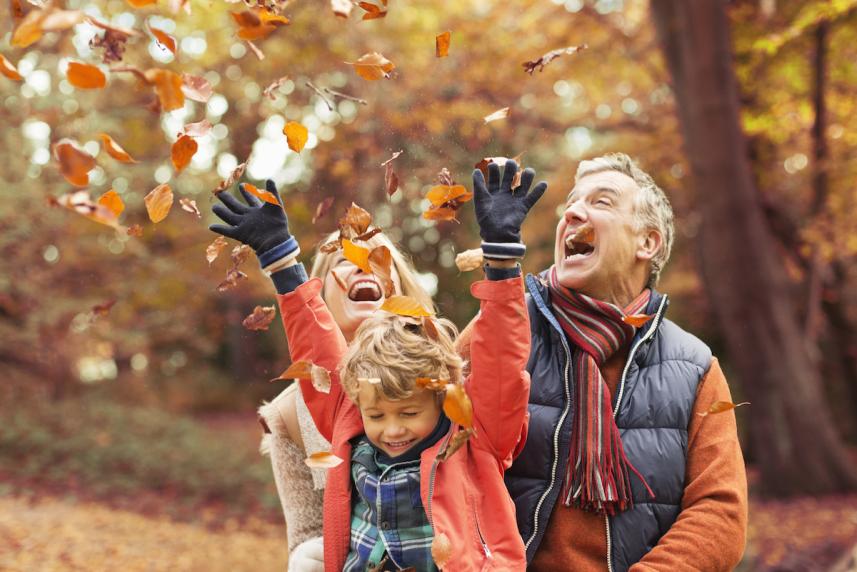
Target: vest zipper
(646, 336)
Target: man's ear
(649, 244)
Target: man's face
(396, 426)
(614, 266)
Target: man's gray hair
(652, 207)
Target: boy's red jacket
(464, 497)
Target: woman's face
(355, 295)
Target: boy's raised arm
(500, 345)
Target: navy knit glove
(501, 211)
(262, 226)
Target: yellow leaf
(296, 135)
(373, 66)
(440, 194)
(404, 306)
(112, 201)
(357, 255)
(322, 460)
(159, 201)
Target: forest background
(129, 383)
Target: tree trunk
(793, 435)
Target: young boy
(393, 500)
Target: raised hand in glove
(500, 211)
(262, 226)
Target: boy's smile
(396, 426)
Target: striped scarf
(598, 475)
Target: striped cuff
(492, 273)
(289, 278)
(503, 250)
(287, 249)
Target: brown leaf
(342, 8)
(330, 247)
(163, 39)
(322, 209)
(368, 234)
(373, 66)
(721, 407)
(441, 549)
(159, 201)
(236, 174)
(198, 129)
(16, 8)
(430, 328)
(113, 44)
(457, 405)
(213, 250)
(483, 164)
(296, 135)
(112, 201)
(74, 162)
(189, 205)
(266, 196)
(168, 88)
(196, 88)
(355, 222)
(322, 460)
(357, 255)
(373, 12)
(404, 306)
(260, 319)
(381, 261)
(114, 149)
(391, 180)
(455, 443)
(8, 69)
(85, 76)
(444, 177)
(135, 230)
(103, 309)
(469, 260)
(541, 62)
(501, 113)
(233, 277)
(183, 151)
(239, 255)
(273, 86)
(441, 44)
(393, 158)
(637, 320)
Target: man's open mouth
(580, 243)
(365, 291)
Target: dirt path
(53, 535)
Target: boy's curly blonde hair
(397, 351)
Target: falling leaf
(135, 230)
(85, 76)
(330, 247)
(113, 44)
(8, 69)
(260, 318)
(368, 234)
(141, 3)
(391, 180)
(114, 149)
(198, 129)
(373, 66)
(499, 114)
(444, 177)
(339, 281)
(393, 158)
(322, 209)
(17, 9)
(37, 22)
(258, 23)
(431, 383)
(266, 196)
(441, 214)
(541, 62)
(637, 320)
(585, 233)
(482, 165)
(373, 12)
(458, 439)
(342, 8)
(469, 260)
(441, 549)
(164, 40)
(189, 205)
(430, 328)
(103, 309)
(320, 379)
(273, 86)
(357, 255)
(213, 250)
(404, 306)
(183, 151)
(81, 203)
(457, 405)
(159, 201)
(296, 370)
(112, 201)
(74, 162)
(442, 194)
(380, 262)
(236, 174)
(296, 135)
(441, 44)
(196, 88)
(721, 407)
(168, 88)
(239, 255)
(355, 222)
(322, 460)
(233, 277)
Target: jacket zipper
(432, 476)
(485, 548)
(648, 334)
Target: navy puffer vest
(655, 401)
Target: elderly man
(622, 469)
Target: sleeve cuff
(503, 250)
(492, 273)
(289, 278)
(498, 290)
(286, 249)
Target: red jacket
(464, 496)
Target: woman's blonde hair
(393, 352)
(323, 263)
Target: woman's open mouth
(365, 291)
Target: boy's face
(396, 426)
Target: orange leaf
(721, 407)
(164, 39)
(196, 88)
(440, 194)
(213, 250)
(80, 203)
(135, 230)
(168, 87)
(637, 320)
(441, 44)
(322, 460)
(256, 32)
(297, 370)
(115, 150)
(431, 328)
(268, 17)
(441, 549)
(432, 383)
(404, 306)
(159, 201)
(373, 66)
(381, 261)
(260, 319)
(296, 135)
(499, 114)
(440, 214)
(189, 205)
(29, 31)
(457, 405)
(74, 163)
(183, 151)
(373, 12)
(246, 19)
(266, 196)
(112, 201)
(141, 3)
(357, 255)
(85, 76)
(8, 69)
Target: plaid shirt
(387, 517)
